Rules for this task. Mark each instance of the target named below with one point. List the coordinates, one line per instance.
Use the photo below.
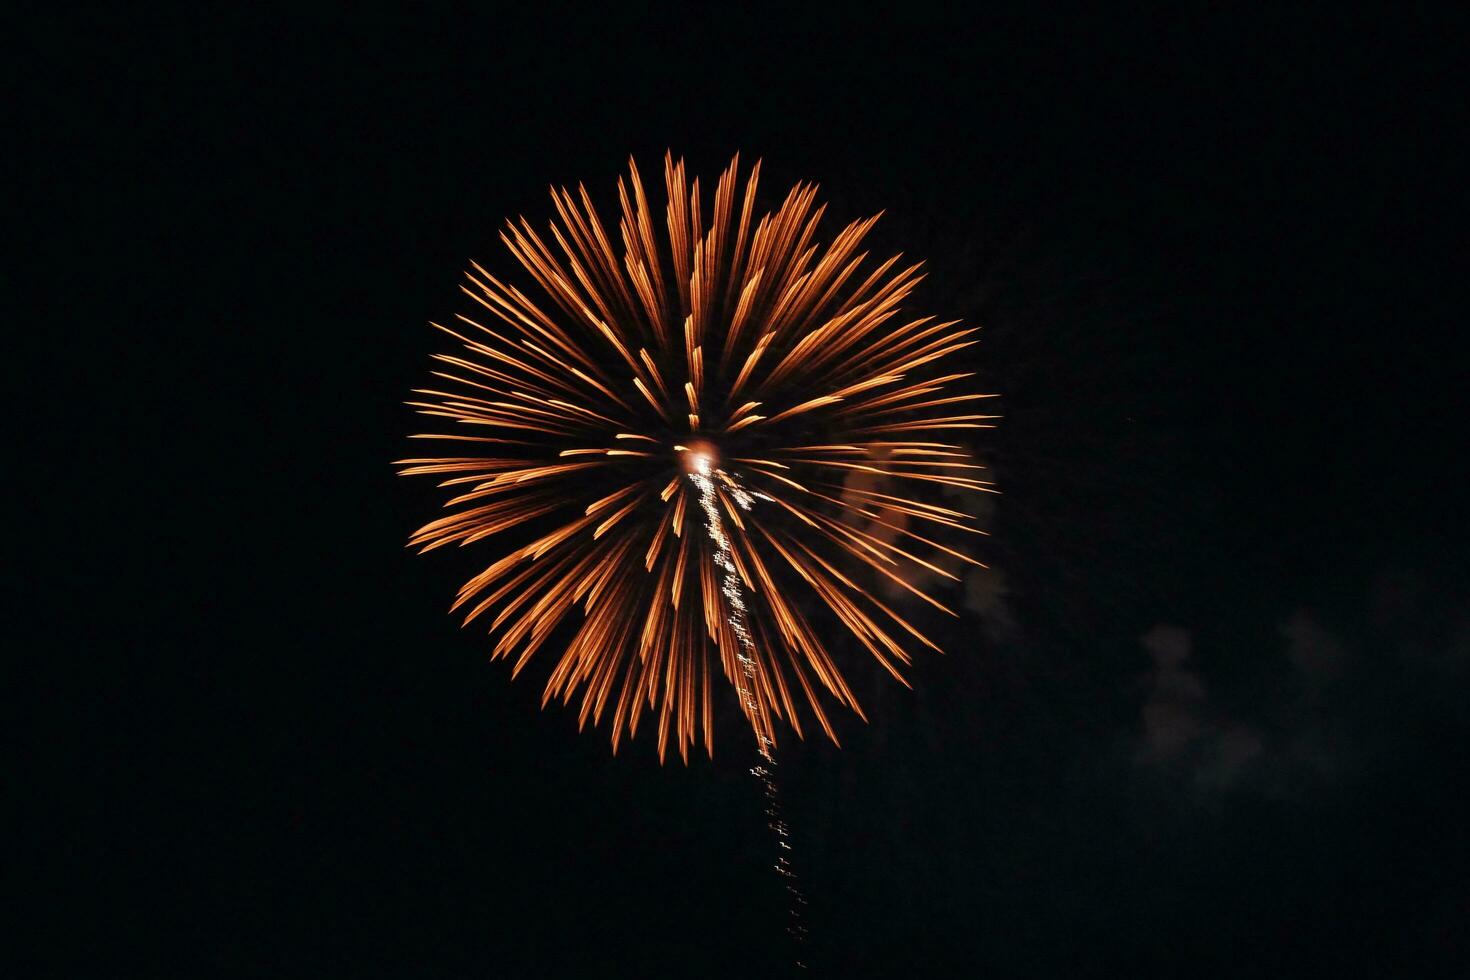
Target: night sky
(1207, 715)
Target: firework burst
(731, 374)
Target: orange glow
(695, 449)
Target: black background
(1215, 257)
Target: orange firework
(684, 434)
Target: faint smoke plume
(1173, 712)
(983, 590)
(1181, 728)
(1311, 649)
(1328, 704)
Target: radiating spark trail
(699, 319)
(703, 475)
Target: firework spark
(739, 353)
